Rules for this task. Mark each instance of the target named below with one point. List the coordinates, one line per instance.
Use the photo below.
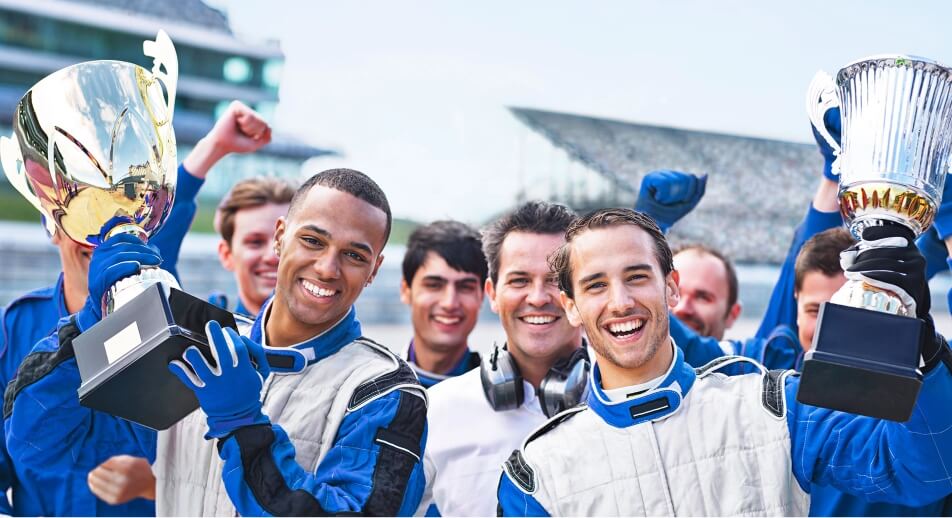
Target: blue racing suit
(34, 316)
(469, 361)
(55, 442)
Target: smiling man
(340, 428)
(444, 270)
(245, 219)
(657, 437)
(477, 418)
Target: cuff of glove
(935, 349)
(219, 426)
(828, 169)
(86, 318)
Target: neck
(615, 376)
(282, 329)
(251, 306)
(74, 294)
(436, 361)
(534, 370)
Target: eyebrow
(356, 244)
(634, 267)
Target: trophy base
(863, 362)
(123, 360)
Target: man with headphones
(476, 419)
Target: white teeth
(539, 320)
(447, 320)
(626, 327)
(268, 275)
(316, 290)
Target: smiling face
(329, 248)
(526, 297)
(622, 298)
(251, 255)
(705, 291)
(444, 304)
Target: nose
(327, 266)
(540, 294)
(271, 255)
(685, 306)
(449, 298)
(620, 301)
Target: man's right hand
(118, 257)
(668, 196)
(122, 478)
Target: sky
(414, 93)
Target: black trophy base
(863, 362)
(123, 360)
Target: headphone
(564, 386)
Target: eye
(519, 282)
(255, 243)
(595, 286)
(310, 241)
(356, 257)
(636, 277)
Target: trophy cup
(896, 114)
(93, 150)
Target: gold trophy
(93, 150)
(896, 115)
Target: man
(470, 431)
(245, 219)
(708, 285)
(444, 270)
(721, 445)
(33, 316)
(350, 418)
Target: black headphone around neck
(564, 386)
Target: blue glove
(120, 256)
(668, 196)
(831, 119)
(943, 217)
(230, 392)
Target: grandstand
(757, 190)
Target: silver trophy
(896, 117)
(93, 150)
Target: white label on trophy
(122, 342)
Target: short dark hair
(352, 182)
(535, 217)
(457, 243)
(246, 194)
(561, 261)
(821, 253)
(732, 284)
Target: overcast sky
(415, 92)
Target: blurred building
(757, 191)
(38, 37)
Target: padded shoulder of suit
(400, 377)
(772, 394)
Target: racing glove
(668, 196)
(831, 119)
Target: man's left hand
(230, 391)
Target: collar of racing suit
(652, 405)
(294, 359)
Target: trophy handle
(12, 163)
(162, 52)
(821, 96)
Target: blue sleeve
(513, 501)
(934, 250)
(373, 467)
(782, 308)
(698, 350)
(6, 470)
(169, 238)
(50, 437)
(882, 461)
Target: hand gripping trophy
(93, 150)
(896, 116)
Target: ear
(404, 292)
(571, 310)
(490, 289)
(733, 314)
(279, 227)
(224, 255)
(672, 289)
(373, 274)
